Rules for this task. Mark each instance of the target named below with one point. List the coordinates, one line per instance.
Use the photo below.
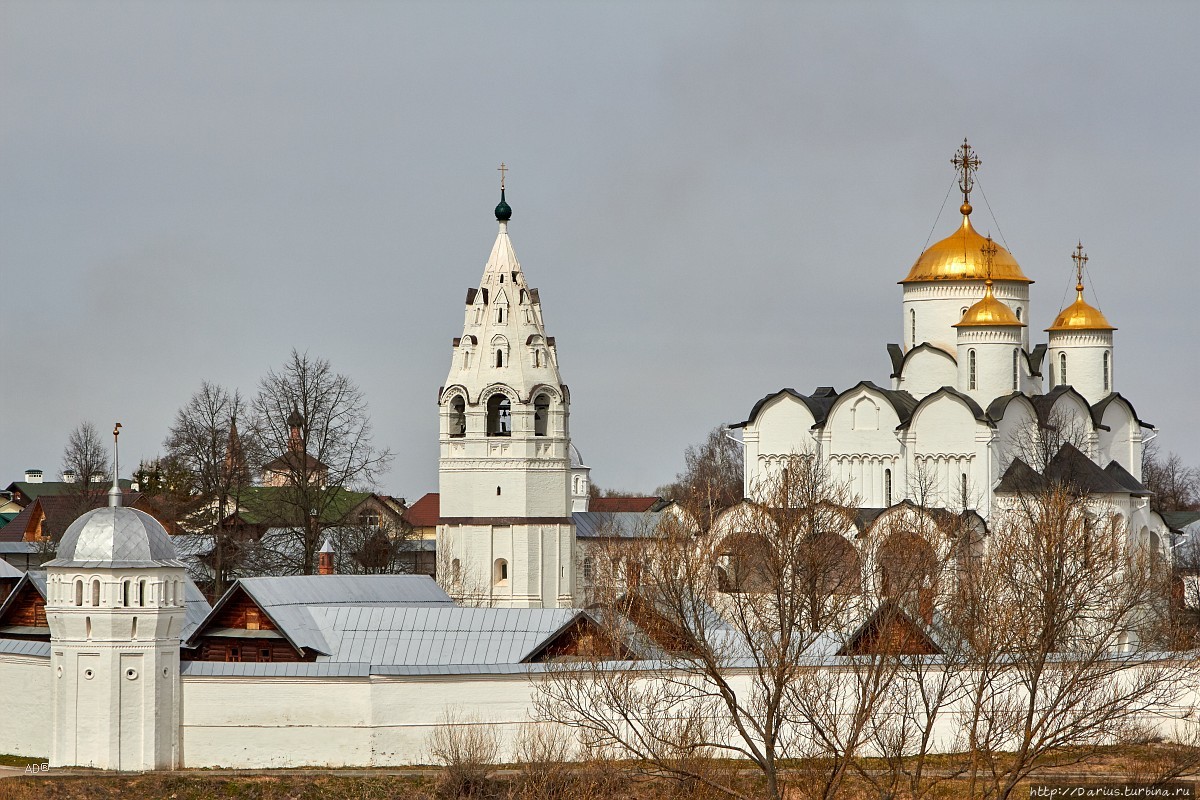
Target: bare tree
(1067, 627)
(381, 548)
(1039, 442)
(1174, 485)
(314, 435)
(712, 477)
(205, 447)
(86, 458)
(733, 620)
(457, 575)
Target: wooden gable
(890, 631)
(582, 639)
(241, 631)
(24, 616)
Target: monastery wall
(266, 722)
(25, 687)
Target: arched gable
(926, 368)
(855, 426)
(946, 422)
(546, 389)
(453, 391)
(498, 388)
(784, 424)
(1016, 421)
(1118, 433)
(1069, 405)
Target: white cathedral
(971, 399)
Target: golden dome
(958, 258)
(989, 312)
(1079, 316)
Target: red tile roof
(426, 512)
(614, 505)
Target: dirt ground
(1129, 764)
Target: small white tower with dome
(1081, 344)
(115, 606)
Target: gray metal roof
(288, 600)
(25, 647)
(116, 537)
(300, 669)
(8, 570)
(438, 636)
(27, 548)
(616, 524)
(195, 608)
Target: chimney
(33, 476)
(68, 476)
(925, 605)
(325, 559)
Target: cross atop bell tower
(504, 466)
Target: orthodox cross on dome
(502, 169)
(966, 163)
(1080, 258)
(989, 253)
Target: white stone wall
(994, 350)
(1085, 352)
(939, 305)
(334, 722)
(926, 370)
(27, 727)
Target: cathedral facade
(971, 396)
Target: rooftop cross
(967, 163)
(502, 169)
(989, 252)
(1080, 258)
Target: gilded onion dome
(957, 258)
(989, 312)
(1079, 316)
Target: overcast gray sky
(715, 199)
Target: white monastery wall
(244, 722)
(28, 720)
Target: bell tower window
(499, 416)
(541, 414)
(500, 314)
(499, 358)
(458, 417)
(1016, 371)
(971, 369)
(887, 487)
(1107, 376)
(912, 325)
(1062, 368)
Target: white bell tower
(505, 537)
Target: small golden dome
(1079, 316)
(958, 258)
(989, 312)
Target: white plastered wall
(27, 728)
